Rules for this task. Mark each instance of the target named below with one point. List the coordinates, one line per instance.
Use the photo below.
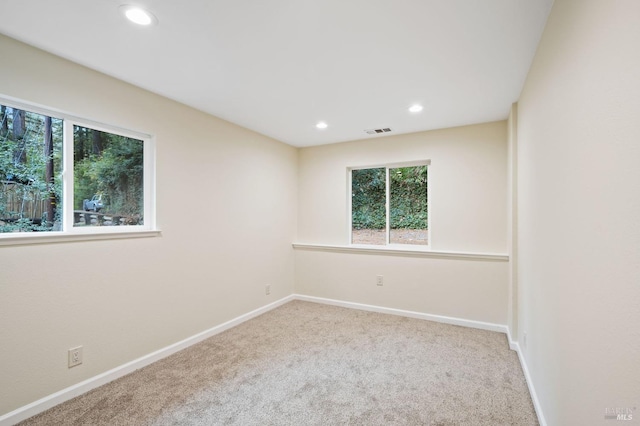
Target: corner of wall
(512, 220)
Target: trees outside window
(102, 180)
(30, 154)
(108, 175)
(389, 205)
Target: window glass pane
(408, 205)
(108, 178)
(368, 212)
(30, 165)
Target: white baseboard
(59, 397)
(411, 314)
(515, 346)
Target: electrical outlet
(75, 356)
(379, 280)
(524, 339)
(267, 289)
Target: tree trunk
(96, 138)
(4, 133)
(19, 129)
(48, 154)
(4, 122)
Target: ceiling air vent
(376, 131)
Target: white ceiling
(280, 66)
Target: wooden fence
(21, 201)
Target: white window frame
(69, 232)
(387, 206)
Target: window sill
(414, 251)
(33, 238)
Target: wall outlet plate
(379, 280)
(75, 356)
(267, 289)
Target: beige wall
(472, 290)
(512, 220)
(579, 210)
(468, 209)
(226, 202)
(467, 185)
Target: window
(389, 205)
(108, 174)
(63, 175)
(30, 152)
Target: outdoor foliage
(408, 197)
(31, 147)
(368, 198)
(31, 186)
(408, 204)
(111, 166)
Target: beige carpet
(310, 364)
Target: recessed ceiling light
(138, 15)
(321, 125)
(415, 108)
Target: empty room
(419, 212)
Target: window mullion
(387, 206)
(350, 204)
(148, 183)
(67, 176)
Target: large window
(389, 205)
(63, 175)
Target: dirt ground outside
(398, 236)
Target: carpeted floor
(310, 364)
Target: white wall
(226, 205)
(467, 185)
(472, 290)
(579, 212)
(468, 209)
(512, 220)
